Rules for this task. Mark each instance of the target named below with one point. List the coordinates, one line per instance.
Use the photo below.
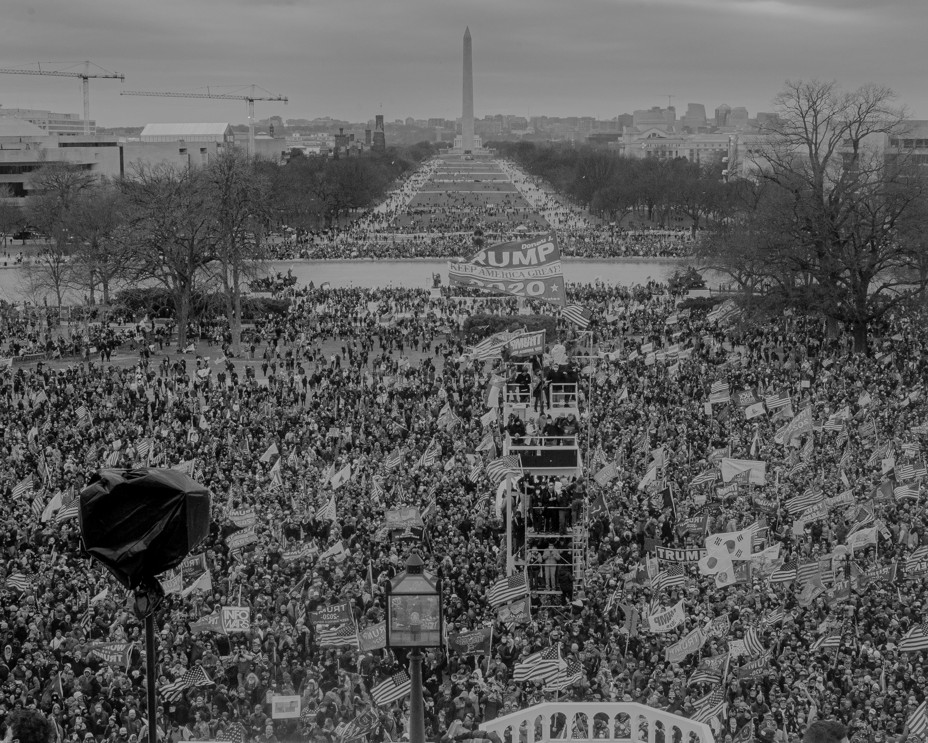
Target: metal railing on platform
(597, 721)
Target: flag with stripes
(143, 449)
(492, 347)
(774, 617)
(672, 576)
(786, 573)
(327, 512)
(719, 392)
(578, 315)
(752, 642)
(503, 467)
(868, 429)
(915, 640)
(905, 491)
(83, 414)
(709, 671)
(570, 675)
(707, 476)
(917, 723)
(362, 725)
(846, 459)
(905, 472)
(506, 590)
(921, 470)
(475, 471)
(430, 455)
(808, 571)
(882, 452)
(605, 475)
(38, 507)
(23, 487)
(18, 581)
(392, 689)
(710, 706)
(918, 556)
(234, 733)
(377, 490)
(394, 459)
(487, 443)
(798, 504)
(112, 459)
(779, 399)
(827, 642)
(545, 665)
(337, 635)
(195, 676)
(69, 509)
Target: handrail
(610, 721)
(540, 442)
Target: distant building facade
(50, 122)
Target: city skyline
(352, 60)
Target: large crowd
(435, 211)
(354, 377)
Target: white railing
(628, 722)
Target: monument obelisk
(467, 110)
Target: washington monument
(467, 111)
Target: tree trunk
(105, 286)
(860, 336)
(182, 309)
(236, 325)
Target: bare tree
(240, 196)
(837, 220)
(175, 231)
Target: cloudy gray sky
(354, 58)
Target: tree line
(830, 219)
(190, 230)
(620, 189)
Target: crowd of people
(434, 213)
(356, 378)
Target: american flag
(578, 315)
(570, 675)
(774, 617)
(786, 573)
(710, 706)
(364, 724)
(23, 487)
(487, 443)
(868, 429)
(83, 414)
(234, 733)
(779, 399)
(921, 470)
(475, 470)
(37, 506)
(707, 476)
(880, 453)
(719, 392)
(377, 486)
(392, 689)
(195, 676)
(430, 455)
(707, 672)
(808, 571)
(492, 347)
(70, 506)
(672, 576)
(507, 589)
(394, 459)
(753, 643)
(905, 491)
(834, 423)
(112, 459)
(499, 469)
(327, 512)
(545, 665)
(905, 472)
(846, 459)
(800, 503)
(18, 581)
(143, 449)
(915, 640)
(826, 642)
(918, 721)
(605, 475)
(337, 635)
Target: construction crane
(222, 97)
(85, 77)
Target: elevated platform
(597, 721)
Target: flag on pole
(392, 689)
(506, 590)
(327, 512)
(195, 676)
(503, 467)
(578, 315)
(917, 723)
(394, 459)
(23, 487)
(779, 399)
(710, 706)
(827, 642)
(545, 665)
(605, 475)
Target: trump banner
(667, 619)
(522, 268)
(527, 344)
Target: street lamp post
(414, 621)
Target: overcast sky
(352, 59)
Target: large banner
(527, 344)
(476, 642)
(522, 268)
(665, 620)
